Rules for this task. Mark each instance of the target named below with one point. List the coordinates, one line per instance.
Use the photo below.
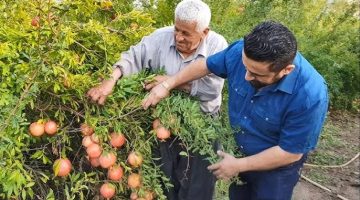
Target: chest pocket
(266, 121)
(237, 97)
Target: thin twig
(42, 190)
(323, 187)
(116, 31)
(124, 115)
(334, 166)
(78, 43)
(72, 110)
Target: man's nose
(179, 37)
(248, 76)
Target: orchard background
(52, 52)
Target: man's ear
(288, 69)
(206, 31)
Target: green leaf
(183, 153)
(50, 195)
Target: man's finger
(95, 96)
(146, 103)
(90, 93)
(149, 86)
(217, 172)
(102, 99)
(221, 153)
(213, 167)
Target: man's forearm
(192, 72)
(186, 87)
(268, 159)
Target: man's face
(259, 74)
(186, 37)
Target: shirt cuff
(194, 88)
(121, 69)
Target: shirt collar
(287, 84)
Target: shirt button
(252, 101)
(245, 117)
(267, 119)
(242, 132)
(241, 147)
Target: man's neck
(185, 55)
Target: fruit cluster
(106, 159)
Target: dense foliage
(51, 53)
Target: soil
(341, 182)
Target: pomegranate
(94, 162)
(95, 138)
(115, 173)
(35, 22)
(117, 140)
(86, 141)
(135, 159)
(162, 133)
(94, 150)
(107, 190)
(134, 180)
(50, 127)
(37, 129)
(86, 129)
(107, 159)
(62, 167)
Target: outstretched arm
(192, 72)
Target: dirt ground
(340, 182)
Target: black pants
(188, 174)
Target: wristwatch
(165, 85)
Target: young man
(173, 48)
(276, 99)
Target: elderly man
(277, 100)
(173, 48)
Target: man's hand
(156, 94)
(157, 80)
(227, 168)
(99, 93)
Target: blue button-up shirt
(289, 113)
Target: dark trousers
(277, 184)
(188, 174)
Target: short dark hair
(271, 42)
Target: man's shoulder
(215, 38)
(167, 31)
(160, 36)
(310, 82)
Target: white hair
(194, 11)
